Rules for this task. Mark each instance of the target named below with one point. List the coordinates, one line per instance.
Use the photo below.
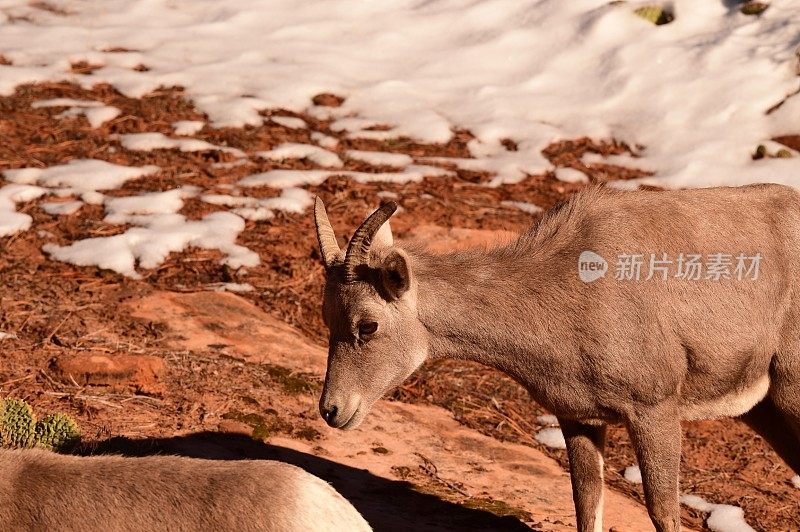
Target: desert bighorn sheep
(647, 351)
(40, 490)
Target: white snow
(633, 474)
(97, 113)
(231, 287)
(159, 141)
(533, 72)
(379, 158)
(796, 481)
(293, 200)
(547, 419)
(157, 237)
(529, 208)
(7, 336)
(292, 122)
(326, 141)
(65, 207)
(120, 210)
(81, 175)
(97, 116)
(315, 154)
(12, 221)
(65, 102)
(722, 517)
(571, 175)
(551, 437)
(624, 160)
(297, 178)
(186, 128)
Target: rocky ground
(165, 364)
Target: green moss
(496, 507)
(754, 8)
(308, 433)
(291, 382)
(655, 14)
(263, 425)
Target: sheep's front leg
(585, 447)
(656, 436)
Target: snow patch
(61, 208)
(158, 236)
(291, 150)
(238, 288)
(11, 221)
(81, 175)
(532, 71)
(187, 128)
(547, 419)
(65, 102)
(379, 158)
(633, 474)
(326, 141)
(297, 178)
(97, 113)
(292, 122)
(97, 116)
(551, 437)
(293, 200)
(722, 517)
(529, 208)
(120, 210)
(570, 175)
(159, 141)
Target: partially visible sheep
(40, 490)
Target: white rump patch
(729, 405)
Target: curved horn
(358, 249)
(328, 246)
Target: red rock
(144, 373)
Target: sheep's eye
(367, 328)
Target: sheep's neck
(483, 308)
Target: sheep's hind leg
(585, 447)
(785, 389)
(775, 427)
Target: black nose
(329, 414)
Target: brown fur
(644, 353)
(40, 490)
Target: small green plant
(754, 8)
(763, 153)
(17, 424)
(57, 432)
(655, 14)
(20, 430)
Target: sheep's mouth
(354, 420)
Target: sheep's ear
(395, 273)
(383, 238)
